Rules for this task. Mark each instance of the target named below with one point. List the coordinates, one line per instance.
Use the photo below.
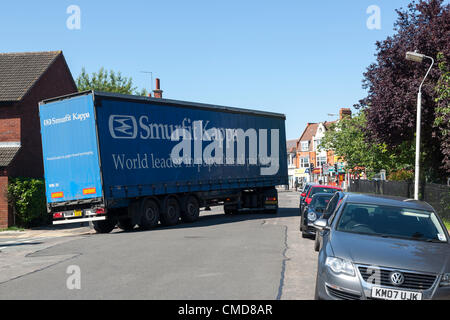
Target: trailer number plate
(75, 213)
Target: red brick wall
(10, 130)
(56, 81)
(4, 212)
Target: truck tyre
(191, 210)
(104, 226)
(125, 224)
(171, 212)
(150, 214)
(229, 210)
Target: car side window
(331, 205)
(336, 209)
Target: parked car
(303, 195)
(333, 205)
(313, 212)
(319, 189)
(379, 247)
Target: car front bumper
(308, 227)
(331, 286)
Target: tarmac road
(246, 256)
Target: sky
(304, 59)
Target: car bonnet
(391, 252)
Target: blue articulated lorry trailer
(127, 160)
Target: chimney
(157, 93)
(345, 112)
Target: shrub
(401, 175)
(27, 197)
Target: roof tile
(19, 71)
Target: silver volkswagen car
(377, 247)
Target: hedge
(27, 197)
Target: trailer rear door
(70, 150)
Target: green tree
(107, 81)
(392, 83)
(442, 120)
(348, 139)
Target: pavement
(48, 232)
(245, 256)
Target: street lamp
(418, 57)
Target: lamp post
(418, 57)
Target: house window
(305, 145)
(317, 143)
(304, 162)
(291, 160)
(321, 161)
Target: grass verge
(12, 229)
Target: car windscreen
(387, 221)
(315, 190)
(320, 201)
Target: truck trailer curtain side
(104, 153)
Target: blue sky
(301, 58)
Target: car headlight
(312, 216)
(338, 266)
(445, 280)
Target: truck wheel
(191, 210)
(229, 210)
(104, 226)
(171, 212)
(150, 214)
(125, 224)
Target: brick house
(305, 152)
(308, 152)
(25, 79)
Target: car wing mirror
(321, 224)
(303, 195)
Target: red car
(319, 189)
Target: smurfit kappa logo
(197, 145)
(123, 127)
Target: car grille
(342, 294)
(413, 280)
